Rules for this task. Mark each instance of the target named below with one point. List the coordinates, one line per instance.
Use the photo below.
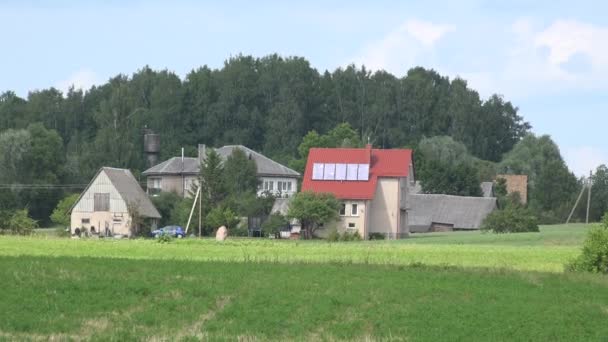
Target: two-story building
(372, 185)
(178, 174)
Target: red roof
(383, 163)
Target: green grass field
(447, 286)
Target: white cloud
(83, 79)
(583, 159)
(425, 32)
(565, 38)
(401, 48)
(563, 56)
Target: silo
(151, 147)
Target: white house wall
(101, 184)
(117, 220)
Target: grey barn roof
(265, 165)
(462, 212)
(129, 189)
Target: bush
(333, 236)
(164, 238)
(61, 214)
(595, 253)
(511, 220)
(377, 236)
(274, 224)
(20, 223)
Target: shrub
(333, 236)
(511, 220)
(164, 238)
(20, 223)
(377, 236)
(595, 252)
(61, 215)
(274, 224)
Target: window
(351, 225)
(269, 185)
(155, 183)
(101, 202)
(354, 210)
(288, 186)
(342, 209)
(85, 221)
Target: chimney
(368, 147)
(202, 152)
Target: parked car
(175, 231)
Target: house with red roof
(372, 185)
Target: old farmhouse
(103, 207)
(372, 185)
(179, 174)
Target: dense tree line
(268, 104)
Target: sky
(549, 58)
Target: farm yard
(440, 286)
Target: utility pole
(200, 212)
(586, 186)
(589, 195)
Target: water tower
(151, 146)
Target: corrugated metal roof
(462, 212)
(383, 163)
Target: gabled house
(372, 185)
(179, 174)
(103, 207)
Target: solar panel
(351, 172)
(363, 172)
(317, 171)
(340, 171)
(329, 173)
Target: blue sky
(550, 58)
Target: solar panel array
(340, 172)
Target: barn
(103, 207)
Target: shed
(431, 212)
(102, 207)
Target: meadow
(432, 287)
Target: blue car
(175, 231)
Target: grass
(97, 299)
(463, 249)
(443, 286)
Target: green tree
(165, 203)
(211, 179)
(61, 214)
(240, 173)
(312, 209)
(222, 216)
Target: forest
(51, 143)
